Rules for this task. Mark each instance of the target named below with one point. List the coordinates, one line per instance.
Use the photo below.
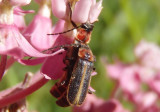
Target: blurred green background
(122, 24)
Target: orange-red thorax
(83, 36)
(86, 54)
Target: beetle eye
(88, 27)
(84, 26)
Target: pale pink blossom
(87, 10)
(130, 81)
(131, 78)
(148, 54)
(95, 11)
(145, 100)
(127, 76)
(59, 8)
(114, 70)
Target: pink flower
(145, 100)
(12, 42)
(154, 84)
(41, 25)
(52, 67)
(94, 104)
(148, 54)
(127, 76)
(85, 10)
(115, 70)
(132, 77)
(19, 18)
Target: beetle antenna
(64, 31)
(72, 22)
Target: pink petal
(147, 99)
(19, 11)
(94, 104)
(148, 54)
(8, 44)
(129, 81)
(146, 74)
(39, 38)
(19, 22)
(53, 66)
(19, 2)
(154, 84)
(28, 49)
(57, 28)
(14, 44)
(115, 70)
(94, 73)
(111, 106)
(154, 108)
(59, 8)
(95, 11)
(32, 61)
(93, 90)
(81, 11)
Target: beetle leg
(90, 91)
(65, 68)
(69, 58)
(62, 101)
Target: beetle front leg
(90, 91)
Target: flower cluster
(140, 81)
(18, 40)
